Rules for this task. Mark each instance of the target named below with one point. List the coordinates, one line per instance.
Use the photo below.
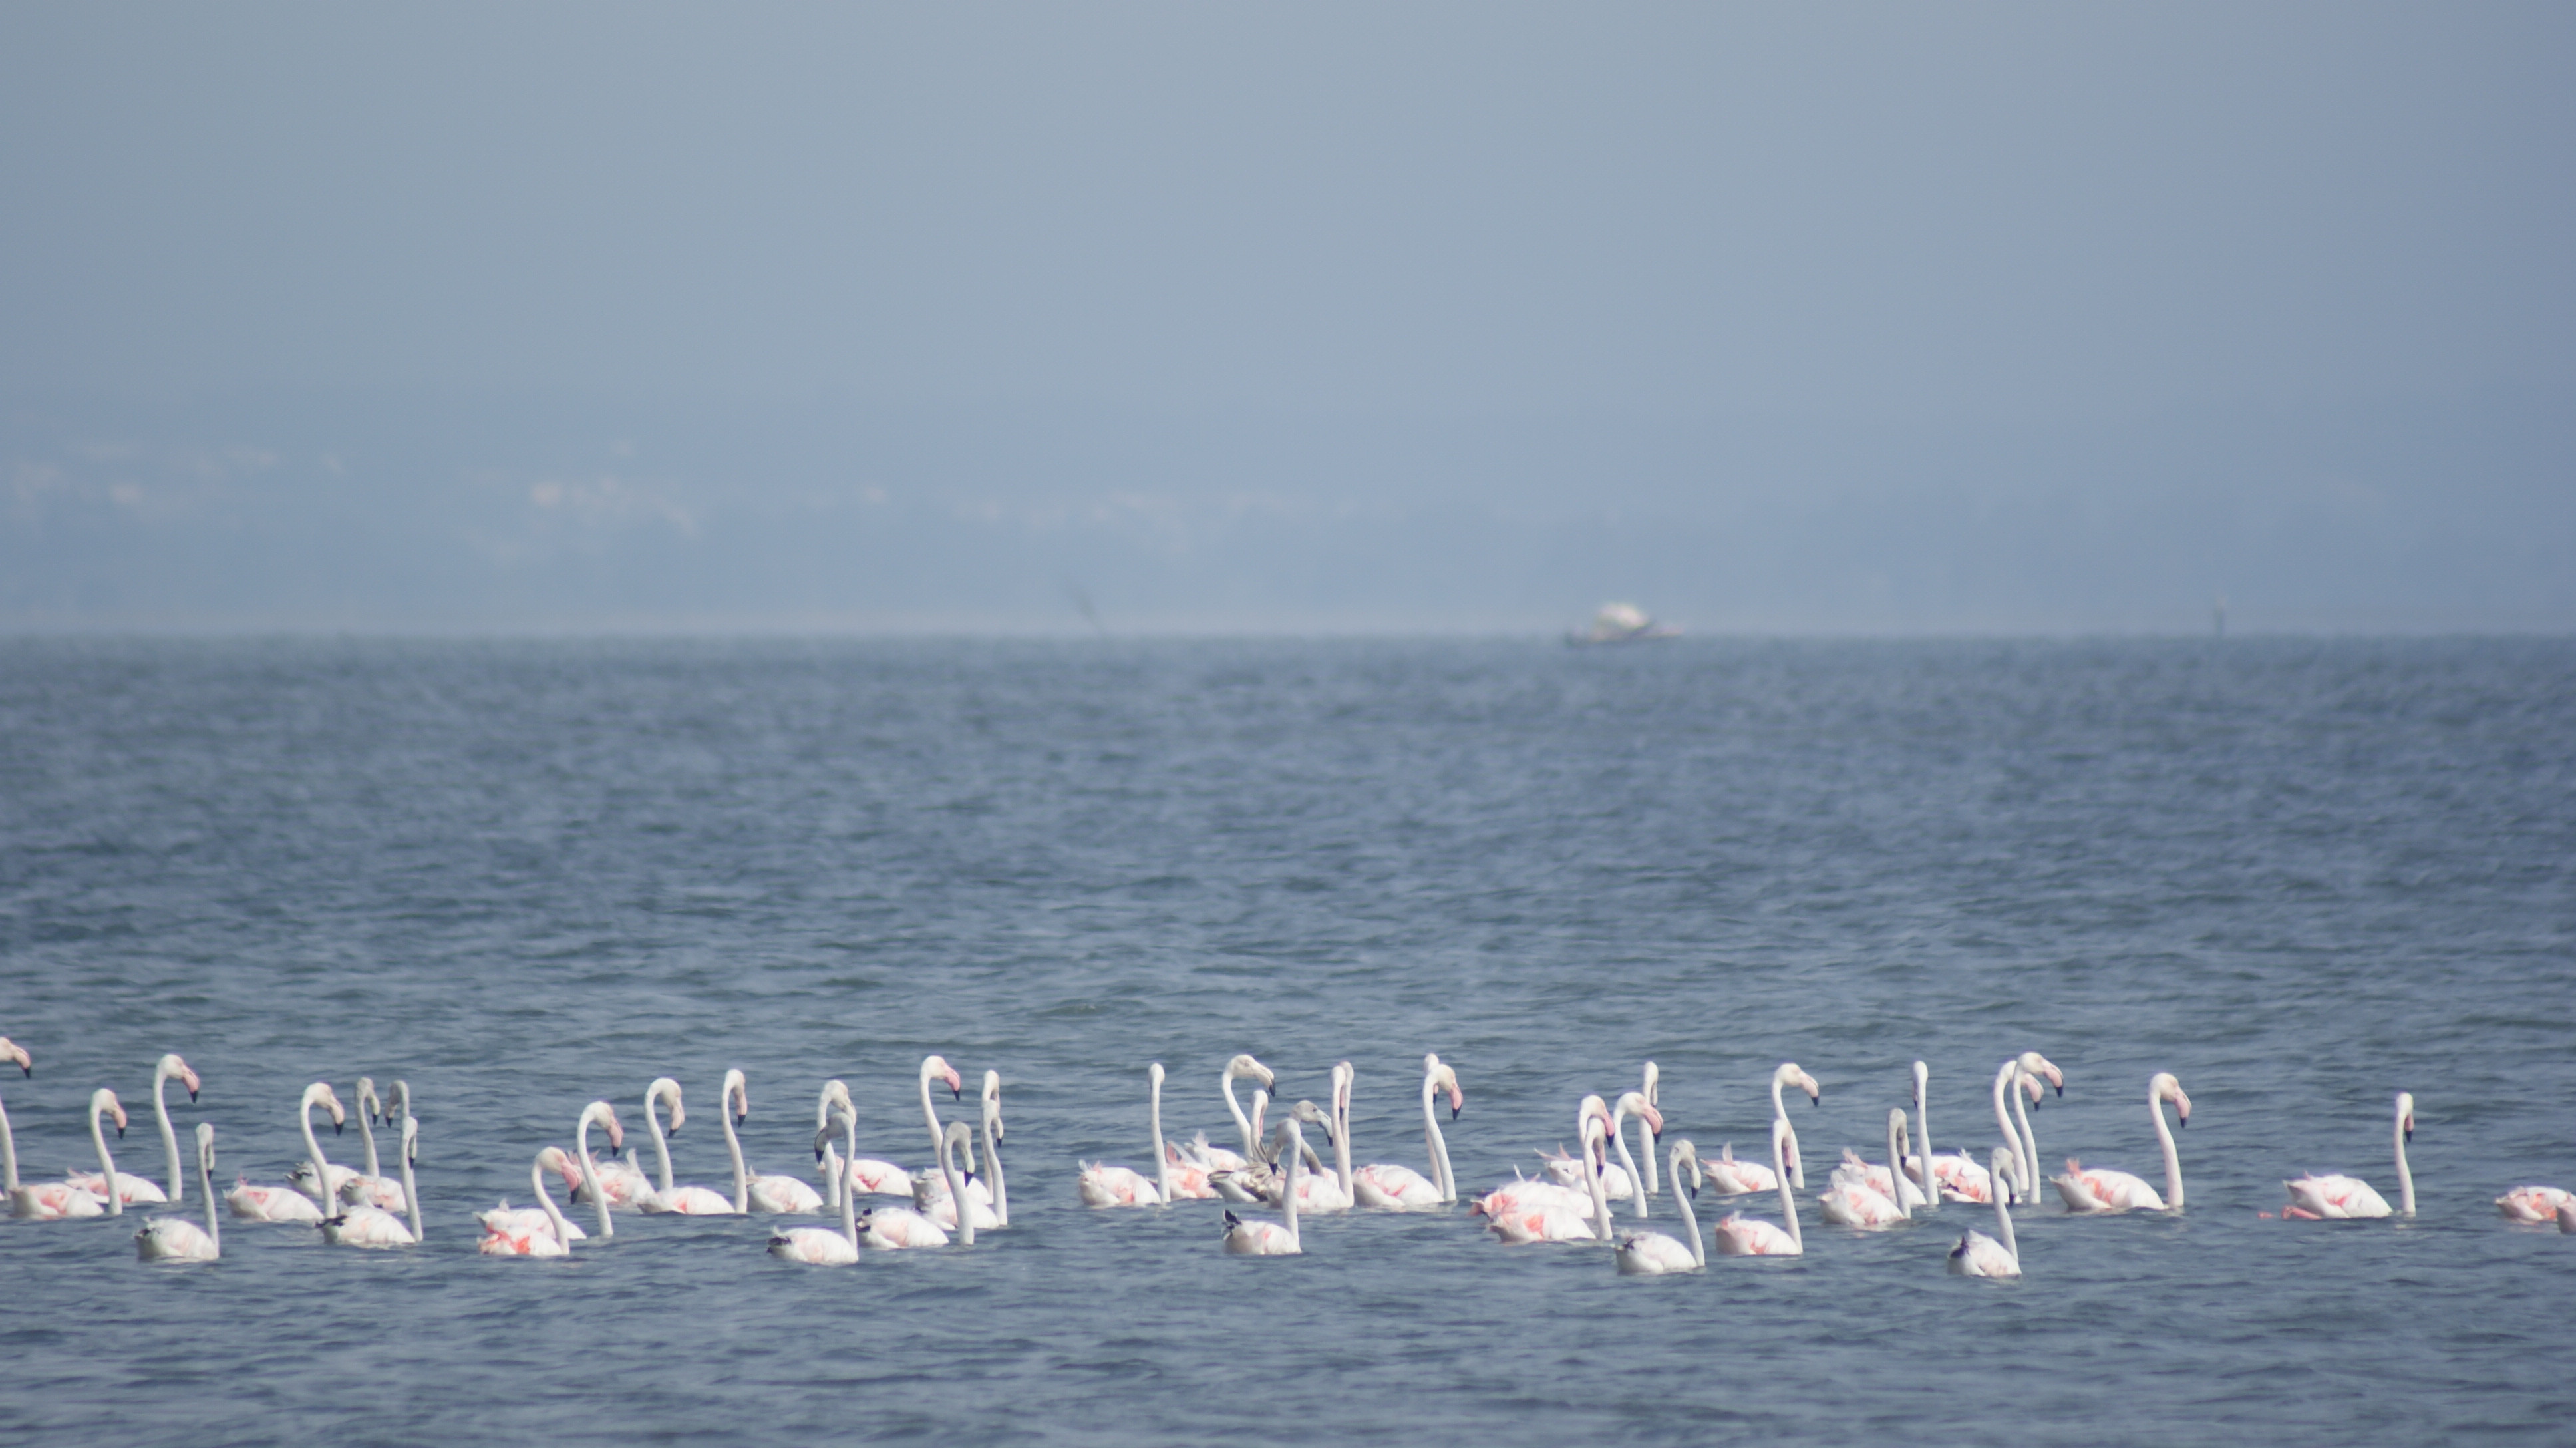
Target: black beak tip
(120, 1133)
(192, 1095)
(2061, 1090)
(336, 1128)
(1454, 1110)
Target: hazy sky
(1997, 219)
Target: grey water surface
(2302, 875)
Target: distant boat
(1622, 623)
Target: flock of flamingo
(1569, 1201)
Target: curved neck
(411, 1188)
(1788, 1199)
(8, 1150)
(1296, 1169)
(1162, 1166)
(169, 1138)
(1797, 1166)
(2003, 1119)
(661, 1146)
(957, 1192)
(2028, 1142)
(2173, 1157)
(930, 1117)
(2004, 1229)
(206, 1185)
(1242, 1123)
(537, 1179)
(366, 1128)
(993, 1170)
(1342, 1136)
(1896, 1167)
(1636, 1183)
(1690, 1219)
(2405, 1177)
(107, 1163)
(321, 1167)
(1431, 1132)
(849, 1199)
(1923, 1129)
(1596, 1161)
(733, 1147)
(590, 1174)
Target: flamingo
(1652, 1254)
(1925, 1174)
(691, 1201)
(1731, 1178)
(2338, 1197)
(606, 1115)
(288, 1204)
(623, 1184)
(52, 1199)
(1326, 1189)
(1979, 1255)
(771, 1194)
(1742, 1236)
(815, 1245)
(140, 1191)
(929, 1187)
(1390, 1188)
(1958, 1174)
(516, 1222)
(2015, 1078)
(510, 1233)
(1853, 1199)
(1652, 1090)
(363, 1224)
(2033, 1067)
(1528, 1216)
(176, 1239)
(2102, 1190)
(64, 1200)
(889, 1229)
(1101, 1185)
(1273, 1239)
(1217, 1158)
(2534, 1204)
(992, 1134)
(374, 1187)
(864, 1174)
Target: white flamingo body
(371, 1187)
(1387, 1187)
(1979, 1255)
(65, 1201)
(176, 1239)
(868, 1176)
(2534, 1204)
(889, 1229)
(2336, 1197)
(2100, 1190)
(1652, 1254)
(1102, 1185)
(816, 1246)
(1259, 1238)
(1742, 1236)
(362, 1225)
(1858, 1195)
(288, 1204)
(1728, 1177)
(510, 1233)
(1539, 1211)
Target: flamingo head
(1244, 1068)
(1154, 1074)
(605, 1115)
(2165, 1088)
(666, 1090)
(559, 1161)
(2031, 1086)
(936, 1067)
(103, 1101)
(1635, 1104)
(2001, 1164)
(1444, 1079)
(1792, 1074)
(206, 1145)
(14, 1054)
(2405, 1115)
(1685, 1163)
(1310, 1114)
(2039, 1065)
(993, 1103)
(737, 1094)
(1653, 1088)
(835, 1093)
(174, 1069)
(320, 1094)
(1922, 1082)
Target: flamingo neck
(2004, 1230)
(411, 1187)
(590, 1173)
(1923, 1126)
(661, 1146)
(2028, 1142)
(1242, 1123)
(733, 1147)
(849, 1207)
(1596, 1162)
(1636, 1183)
(1788, 1198)
(1431, 1132)
(930, 1115)
(2173, 1156)
(313, 1148)
(169, 1138)
(1342, 1137)
(206, 1185)
(1162, 1166)
(545, 1199)
(366, 1130)
(8, 1150)
(1896, 1167)
(2404, 1173)
(993, 1173)
(1296, 1171)
(106, 1163)
(1690, 1219)
(957, 1193)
